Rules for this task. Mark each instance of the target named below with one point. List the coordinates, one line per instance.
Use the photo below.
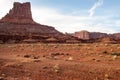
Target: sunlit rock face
(20, 13)
(85, 35)
(19, 25)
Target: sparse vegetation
(56, 68)
(68, 62)
(105, 52)
(27, 56)
(115, 53)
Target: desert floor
(60, 61)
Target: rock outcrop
(92, 37)
(20, 13)
(82, 35)
(85, 35)
(18, 25)
(97, 35)
(116, 36)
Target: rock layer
(20, 13)
(18, 25)
(85, 35)
(82, 35)
(97, 36)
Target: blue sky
(73, 15)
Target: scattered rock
(44, 67)
(69, 59)
(115, 53)
(27, 56)
(37, 60)
(54, 54)
(56, 68)
(93, 59)
(67, 54)
(104, 52)
(44, 55)
(107, 77)
(35, 57)
(114, 57)
(3, 75)
(98, 60)
(1, 78)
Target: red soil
(59, 61)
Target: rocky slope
(18, 25)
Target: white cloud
(70, 23)
(117, 23)
(64, 22)
(6, 5)
(95, 6)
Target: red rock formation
(18, 25)
(115, 36)
(82, 35)
(97, 35)
(85, 35)
(20, 13)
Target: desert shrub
(55, 54)
(115, 53)
(105, 52)
(27, 56)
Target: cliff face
(20, 13)
(19, 25)
(82, 35)
(85, 35)
(116, 36)
(97, 35)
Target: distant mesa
(82, 35)
(85, 35)
(91, 37)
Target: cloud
(3, 8)
(71, 23)
(67, 22)
(6, 5)
(94, 7)
(117, 23)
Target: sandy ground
(60, 61)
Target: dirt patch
(59, 61)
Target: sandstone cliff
(82, 35)
(20, 13)
(91, 37)
(19, 25)
(85, 35)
